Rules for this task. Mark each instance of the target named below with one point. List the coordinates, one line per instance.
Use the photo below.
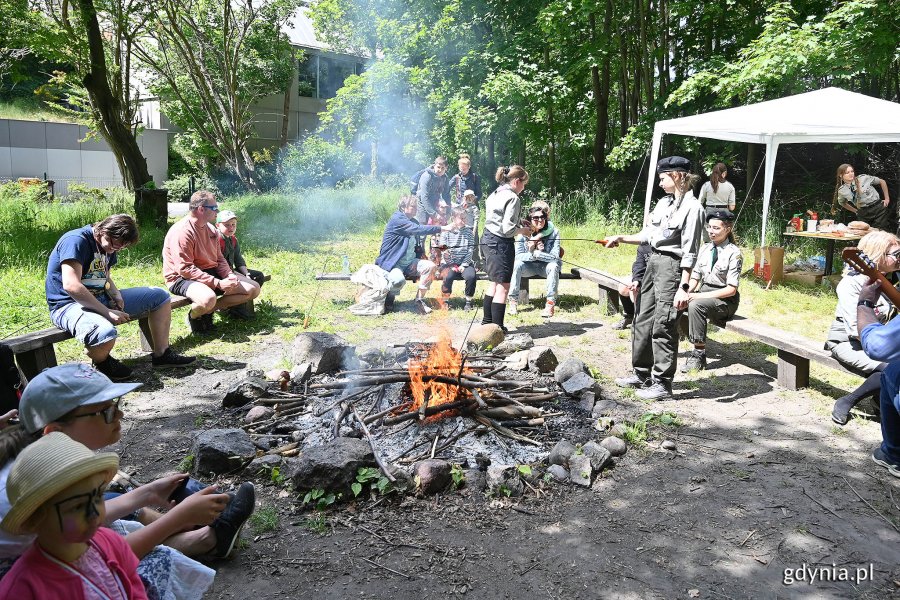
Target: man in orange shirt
(194, 266)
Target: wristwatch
(686, 286)
(868, 303)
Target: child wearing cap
(56, 490)
(226, 224)
(673, 232)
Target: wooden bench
(480, 276)
(794, 351)
(35, 352)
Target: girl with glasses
(537, 255)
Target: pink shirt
(36, 576)
(191, 247)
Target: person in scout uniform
(857, 194)
(713, 293)
(673, 232)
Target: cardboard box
(773, 270)
(805, 277)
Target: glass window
(306, 78)
(332, 74)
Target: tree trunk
(286, 115)
(112, 118)
(600, 85)
(551, 143)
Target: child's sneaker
(549, 307)
(511, 307)
(468, 307)
(422, 306)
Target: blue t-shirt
(80, 245)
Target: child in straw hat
(56, 489)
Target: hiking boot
(632, 381)
(227, 526)
(422, 306)
(113, 369)
(882, 460)
(695, 362)
(548, 309)
(512, 307)
(241, 311)
(625, 323)
(197, 325)
(389, 301)
(468, 307)
(171, 359)
(654, 390)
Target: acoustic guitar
(858, 259)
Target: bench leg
(146, 336)
(609, 299)
(793, 371)
(523, 287)
(35, 361)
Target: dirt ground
(761, 486)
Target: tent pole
(651, 170)
(771, 153)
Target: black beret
(673, 163)
(721, 214)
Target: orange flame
(442, 359)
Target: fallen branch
(819, 503)
(368, 435)
(886, 520)
(497, 427)
(375, 564)
(387, 411)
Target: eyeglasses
(215, 207)
(108, 413)
(895, 255)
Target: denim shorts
(92, 329)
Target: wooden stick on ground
(853, 489)
(368, 435)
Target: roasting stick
(368, 435)
(315, 297)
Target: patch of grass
(263, 520)
(186, 464)
(636, 433)
(199, 420)
(317, 523)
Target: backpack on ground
(414, 182)
(11, 380)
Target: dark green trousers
(875, 214)
(654, 335)
(704, 310)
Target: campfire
(433, 401)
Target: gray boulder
(599, 456)
(433, 475)
(580, 470)
(615, 445)
(221, 450)
(332, 466)
(514, 342)
(263, 465)
(325, 352)
(561, 452)
(258, 413)
(559, 473)
(301, 373)
(569, 368)
(504, 480)
(578, 384)
(244, 391)
(604, 408)
(586, 402)
(542, 359)
(485, 336)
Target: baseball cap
(225, 215)
(469, 193)
(59, 390)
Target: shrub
(316, 162)
(179, 186)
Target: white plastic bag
(374, 285)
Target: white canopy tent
(827, 115)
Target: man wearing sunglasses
(194, 266)
(85, 301)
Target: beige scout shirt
(674, 228)
(725, 271)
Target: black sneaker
(113, 369)
(695, 362)
(625, 323)
(208, 322)
(197, 325)
(422, 306)
(389, 301)
(170, 359)
(241, 312)
(228, 525)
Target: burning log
(431, 411)
(510, 412)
